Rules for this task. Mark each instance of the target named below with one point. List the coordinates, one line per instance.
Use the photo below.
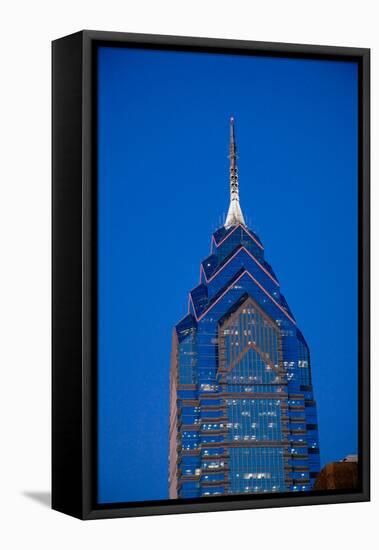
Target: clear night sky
(163, 188)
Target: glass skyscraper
(242, 413)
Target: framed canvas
(210, 275)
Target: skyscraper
(242, 413)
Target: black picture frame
(74, 273)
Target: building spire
(235, 215)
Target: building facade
(242, 413)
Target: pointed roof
(235, 215)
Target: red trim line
(190, 301)
(229, 287)
(236, 227)
(230, 259)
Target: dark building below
(338, 475)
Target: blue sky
(163, 188)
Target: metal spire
(235, 215)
